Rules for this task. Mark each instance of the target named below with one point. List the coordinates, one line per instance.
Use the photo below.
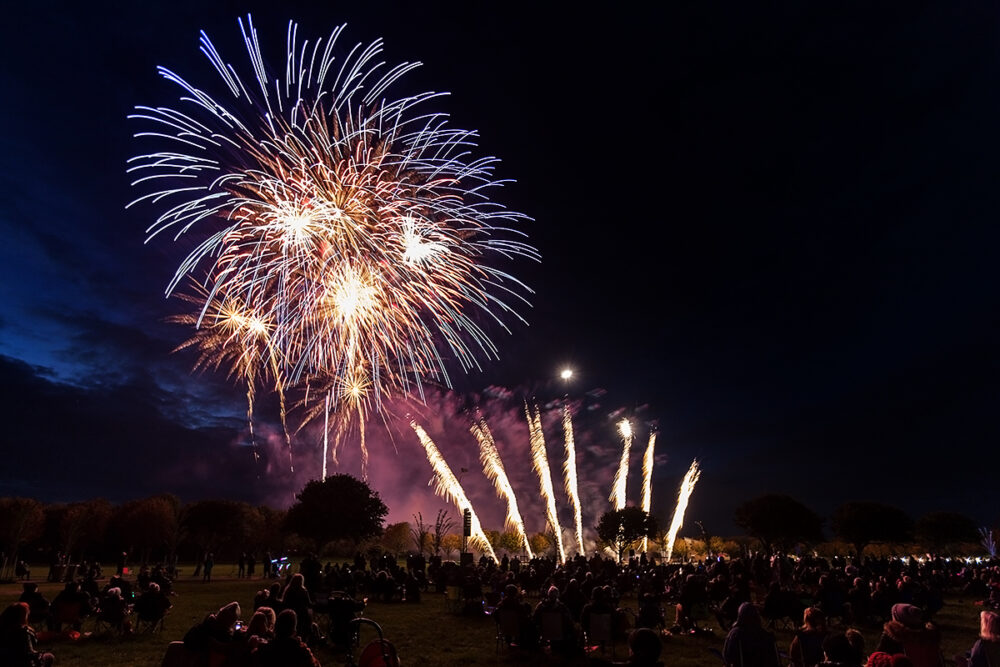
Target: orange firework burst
(355, 228)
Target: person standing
(208, 564)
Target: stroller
(376, 653)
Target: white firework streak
(617, 496)
(446, 486)
(687, 486)
(541, 462)
(493, 467)
(569, 474)
(647, 481)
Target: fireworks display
(687, 486)
(447, 486)
(618, 487)
(540, 460)
(343, 240)
(569, 475)
(493, 467)
(647, 480)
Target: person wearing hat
(907, 633)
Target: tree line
(342, 514)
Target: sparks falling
(356, 229)
(540, 460)
(446, 486)
(617, 496)
(647, 481)
(569, 475)
(687, 486)
(493, 467)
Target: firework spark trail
(617, 496)
(687, 486)
(569, 475)
(493, 467)
(326, 433)
(647, 481)
(446, 485)
(540, 460)
(357, 226)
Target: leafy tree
(510, 542)
(450, 544)
(21, 520)
(540, 543)
(493, 537)
(420, 534)
(862, 523)
(396, 537)
(939, 530)
(140, 526)
(217, 525)
(339, 507)
(442, 524)
(619, 529)
(84, 524)
(779, 521)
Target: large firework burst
(344, 240)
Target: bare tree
(442, 525)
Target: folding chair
(600, 633)
(453, 599)
(508, 628)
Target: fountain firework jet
(493, 468)
(687, 486)
(617, 496)
(446, 486)
(647, 481)
(541, 462)
(569, 474)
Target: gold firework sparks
(540, 461)
(687, 487)
(493, 467)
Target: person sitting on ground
(17, 639)
(748, 644)
(260, 630)
(286, 649)
(907, 633)
(806, 648)
(216, 633)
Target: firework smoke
(540, 460)
(493, 467)
(617, 496)
(687, 486)
(446, 486)
(569, 474)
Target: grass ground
(424, 633)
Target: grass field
(424, 633)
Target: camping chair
(508, 628)
(453, 599)
(65, 613)
(600, 633)
(149, 620)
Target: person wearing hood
(907, 633)
(748, 644)
(986, 651)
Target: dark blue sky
(771, 231)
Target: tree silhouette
(861, 523)
(339, 507)
(939, 530)
(620, 528)
(779, 521)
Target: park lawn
(425, 633)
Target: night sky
(768, 232)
